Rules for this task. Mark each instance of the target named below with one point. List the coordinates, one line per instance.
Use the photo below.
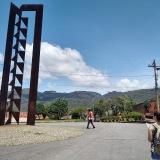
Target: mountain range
(86, 98)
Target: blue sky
(92, 45)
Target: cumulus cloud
(1, 57)
(51, 85)
(126, 84)
(57, 62)
(65, 63)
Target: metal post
(7, 62)
(38, 8)
(35, 60)
(156, 89)
(156, 68)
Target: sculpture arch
(12, 55)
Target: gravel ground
(24, 134)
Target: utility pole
(156, 68)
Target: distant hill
(86, 98)
(137, 95)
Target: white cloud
(126, 84)
(67, 63)
(56, 62)
(0, 76)
(1, 57)
(51, 85)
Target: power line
(88, 74)
(66, 85)
(92, 74)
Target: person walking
(152, 136)
(90, 118)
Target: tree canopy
(40, 109)
(118, 104)
(78, 113)
(57, 109)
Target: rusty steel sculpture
(14, 64)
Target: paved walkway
(108, 141)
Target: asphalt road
(108, 141)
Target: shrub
(109, 118)
(75, 115)
(137, 115)
(133, 115)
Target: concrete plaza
(108, 141)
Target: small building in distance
(146, 110)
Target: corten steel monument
(14, 63)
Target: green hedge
(131, 116)
(109, 118)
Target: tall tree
(40, 109)
(78, 113)
(58, 108)
(122, 104)
(99, 108)
(108, 105)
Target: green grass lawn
(61, 120)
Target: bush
(103, 119)
(137, 115)
(131, 116)
(109, 118)
(75, 115)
